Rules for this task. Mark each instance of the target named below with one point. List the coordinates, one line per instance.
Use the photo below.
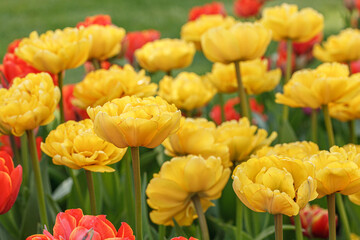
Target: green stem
(25, 160)
(239, 219)
(289, 49)
(329, 128)
(245, 111)
(96, 64)
(129, 199)
(247, 221)
(352, 130)
(76, 185)
(278, 226)
(15, 150)
(38, 179)
(298, 228)
(90, 183)
(222, 107)
(61, 103)
(162, 232)
(343, 215)
(137, 185)
(331, 212)
(201, 217)
(314, 128)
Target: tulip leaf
(271, 230)
(228, 229)
(63, 189)
(178, 229)
(287, 133)
(4, 234)
(145, 214)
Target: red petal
(98, 225)
(125, 231)
(64, 225)
(80, 232)
(16, 179)
(37, 237)
(7, 160)
(103, 218)
(5, 186)
(76, 213)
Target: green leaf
(4, 234)
(63, 190)
(287, 133)
(145, 214)
(271, 230)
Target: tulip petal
(6, 189)
(16, 179)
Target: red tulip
(207, 9)
(306, 47)
(183, 238)
(5, 145)
(135, 40)
(315, 222)
(247, 8)
(97, 19)
(73, 225)
(13, 45)
(10, 181)
(231, 113)
(355, 67)
(72, 112)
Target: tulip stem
(314, 128)
(38, 179)
(331, 213)
(15, 149)
(245, 111)
(352, 131)
(25, 160)
(328, 125)
(61, 103)
(201, 217)
(137, 184)
(222, 107)
(239, 219)
(289, 51)
(343, 215)
(298, 228)
(162, 232)
(90, 183)
(278, 226)
(76, 185)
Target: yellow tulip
(101, 86)
(288, 23)
(106, 41)
(354, 237)
(29, 103)
(187, 91)
(337, 171)
(242, 138)
(193, 30)
(197, 137)
(254, 74)
(227, 45)
(165, 55)
(328, 83)
(170, 192)
(75, 145)
(55, 51)
(298, 150)
(135, 122)
(344, 47)
(275, 184)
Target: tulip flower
(298, 150)
(165, 55)
(207, 9)
(193, 30)
(247, 8)
(275, 184)
(106, 41)
(241, 139)
(101, 86)
(328, 83)
(5, 145)
(75, 145)
(73, 225)
(13, 45)
(38, 98)
(339, 48)
(187, 90)
(103, 20)
(183, 238)
(197, 137)
(134, 122)
(254, 74)
(135, 40)
(184, 188)
(10, 182)
(288, 23)
(72, 112)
